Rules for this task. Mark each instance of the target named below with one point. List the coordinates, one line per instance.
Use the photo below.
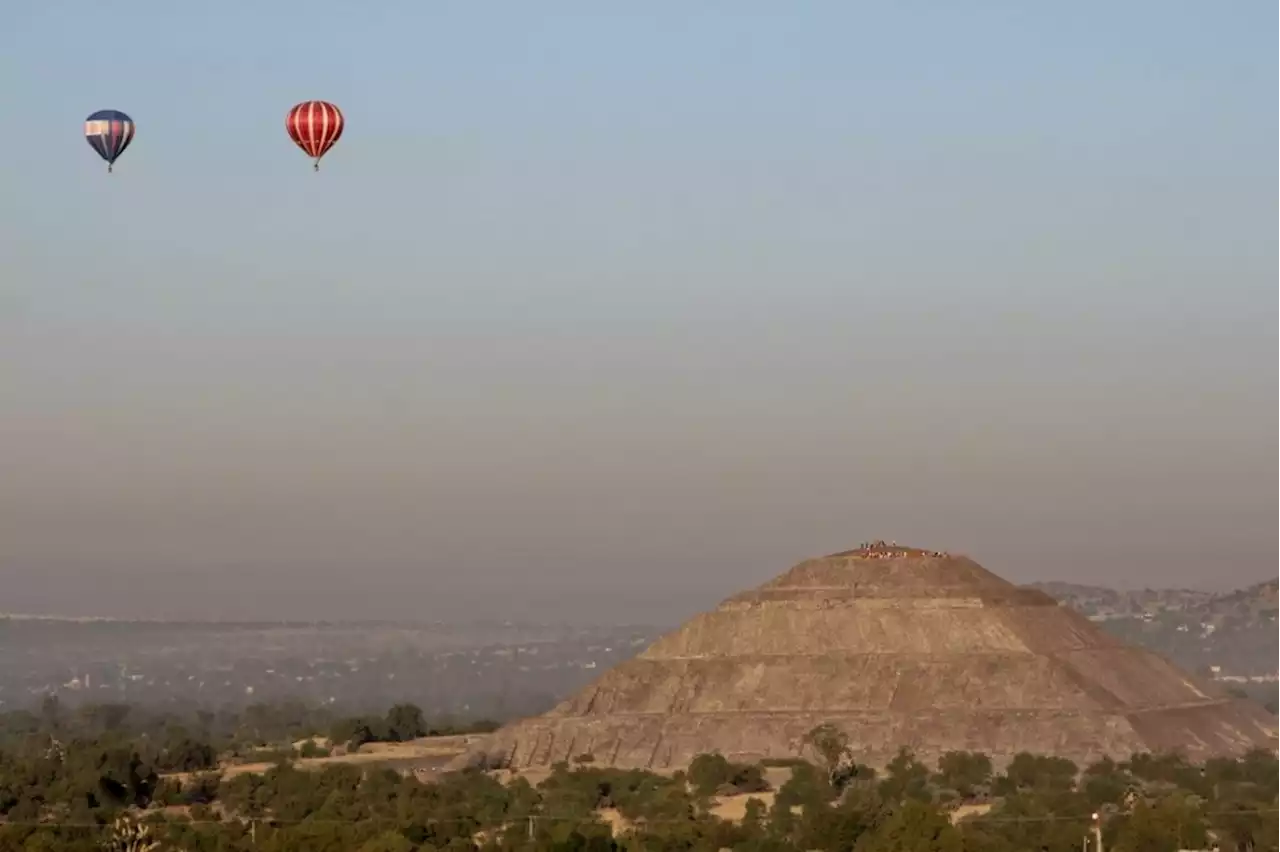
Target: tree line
(78, 784)
(183, 740)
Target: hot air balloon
(314, 126)
(109, 132)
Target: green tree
(185, 754)
(1037, 772)
(807, 785)
(753, 818)
(44, 841)
(965, 772)
(104, 718)
(1173, 822)
(712, 774)
(405, 722)
(842, 826)
(708, 772)
(310, 749)
(913, 826)
(358, 730)
(1171, 770)
(1244, 824)
(1107, 783)
(905, 778)
(388, 841)
(123, 778)
(50, 713)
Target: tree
(104, 717)
(1241, 824)
(832, 747)
(1170, 769)
(44, 841)
(966, 772)
(753, 817)
(128, 835)
(1037, 772)
(50, 712)
(914, 827)
(843, 826)
(310, 748)
(388, 841)
(807, 786)
(712, 774)
(184, 754)
(405, 722)
(123, 778)
(831, 744)
(357, 731)
(1107, 783)
(1173, 822)
(708, 772)
(905, 778)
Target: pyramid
(896, 646)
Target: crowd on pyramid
(892, 550)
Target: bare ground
(427, 753)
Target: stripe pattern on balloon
(314, 126)
(109, 132)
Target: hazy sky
(606, 315)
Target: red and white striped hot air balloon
(314, 126)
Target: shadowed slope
(897, 646)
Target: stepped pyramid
(898, 647)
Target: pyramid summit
(897, 646)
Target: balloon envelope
(109, 132)
(314, 126)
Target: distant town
(500, 671)
(471, 671)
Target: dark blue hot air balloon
(109, 132)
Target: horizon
(401, 622)
(602, 314)
(338, 622)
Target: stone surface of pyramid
(898, 647)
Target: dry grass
(734, 808)
(964, 811)
(432, 749)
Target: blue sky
(614, 312)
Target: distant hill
(1230, 636)
(1101, 603)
